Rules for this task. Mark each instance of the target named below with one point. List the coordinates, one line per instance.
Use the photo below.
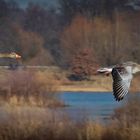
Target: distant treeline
(79, 32)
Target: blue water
(89, 105)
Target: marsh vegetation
(76, 36)
(40, 123)
(28, 111)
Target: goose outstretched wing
(121, 82)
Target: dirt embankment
(99, 84)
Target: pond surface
(90, 105)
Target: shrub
(25, 87)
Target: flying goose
(10, 55)
(122, 75)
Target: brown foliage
(39, 124)
(87, 33)
(42, 58)
(128, 116)
(15, 38)
(31, 47)
(77, 35)
(110, 40)
(77, 44)
(83, 65)
(126, 122)
(28, 87)
(29, 43)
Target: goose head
(135, 66)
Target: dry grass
(25, 113)
(28, 87)
(126, 121)
(28, 122)
(99, 83)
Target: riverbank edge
(64, 88)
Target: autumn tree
(76, 37)
(109, 40)
(83, 65)
(30, 44)
(47, 24)
(133, 36)
(27, 44)
(77, 44)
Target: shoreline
(99, 84)
(64, 88)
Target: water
(89, 105)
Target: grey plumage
(121, 82)
(122, 75)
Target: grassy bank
(60, 82)
(41, 123)
(99, 83)
(22, 87)
(28, 108)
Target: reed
(26, 114)
(38, 123)
(28, 87)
